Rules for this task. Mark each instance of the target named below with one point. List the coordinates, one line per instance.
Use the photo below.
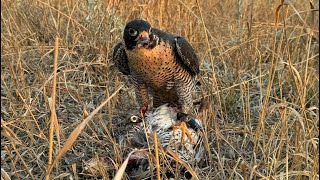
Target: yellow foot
(184, 131)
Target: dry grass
(261, 77)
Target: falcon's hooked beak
(143, 39)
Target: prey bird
(186, 150)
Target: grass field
(259, 68)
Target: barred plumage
(161, 121)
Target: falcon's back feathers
(187, 55)
(120, 58)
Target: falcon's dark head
(137, 33)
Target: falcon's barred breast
(158, 63)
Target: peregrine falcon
(161, 64)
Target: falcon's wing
(120, 58)
(186, 55)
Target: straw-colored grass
(259, 69)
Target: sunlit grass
(261, 78)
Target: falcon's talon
(184, 131)
(191, 122)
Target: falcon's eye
(132, 32)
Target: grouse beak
(143, 39)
